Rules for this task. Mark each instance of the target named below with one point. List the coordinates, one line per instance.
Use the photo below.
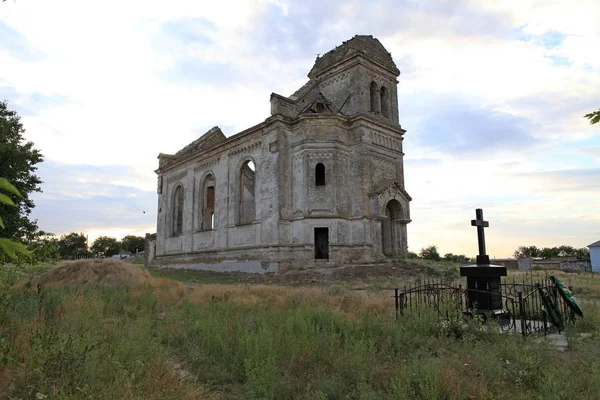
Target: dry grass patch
(349, 302)
(84, 273)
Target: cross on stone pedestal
(484, 291)
(482, 258)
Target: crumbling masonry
(319, 182)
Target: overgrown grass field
(117, 332)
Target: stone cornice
(202, 165)
(377, 122)
(248, 147)
(228, 147)
(176, 177)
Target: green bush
(430, 253)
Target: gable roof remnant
(595, 244)
(359, 44)
(303, 90)
(319, 106)
(210, 139)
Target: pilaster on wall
(188, 210)
(268, 189)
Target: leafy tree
(9, 247)
(526, 251)
(430, 253)
(582, 253)
(44, 248)
(594, 117)
(133, 243)
(18, 159)
(105, 246)
(565, 251)
(72, 245)
(549, 252)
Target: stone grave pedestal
(483, 284)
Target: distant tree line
(46, 247)
(582, 253)
(74, 245)
(431, 253)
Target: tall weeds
(159, 339)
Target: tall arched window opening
(177, 211)
(374, 97)
(208, 203)
(320, 175)
(384, 97)
(246, 194)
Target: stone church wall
(295, 221)
(226, 171)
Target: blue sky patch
(17, 45)
(552, 39)
(464, 130)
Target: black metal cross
(482, 258)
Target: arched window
(374, 97)
(177, 211)
(208, 203)
(384, 101)
(246, 198)
(319, 175)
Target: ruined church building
(321, 181)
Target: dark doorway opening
(390, 241)
(322, 243)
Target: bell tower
(359, 77)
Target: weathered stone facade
(321, 181)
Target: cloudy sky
(491, 95)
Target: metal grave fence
(529, 307)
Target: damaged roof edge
(358, 45)
(175, 161)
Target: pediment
(389, 187)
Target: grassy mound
(83, 273)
